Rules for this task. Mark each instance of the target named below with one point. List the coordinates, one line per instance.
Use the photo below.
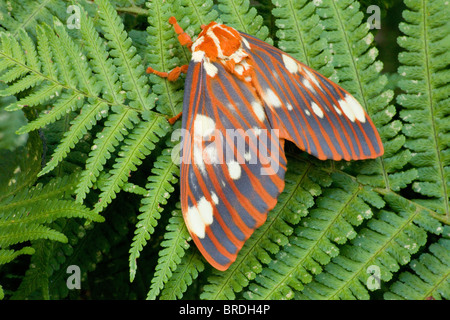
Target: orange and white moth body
(242, 99)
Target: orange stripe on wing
(319, 149)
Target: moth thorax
(222, 44)
(217, 41)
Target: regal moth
(243, 98)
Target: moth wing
(310, 110)
(232, 162)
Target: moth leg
(174, 119)
(172, 75)
(183, 37)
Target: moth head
(218, 42)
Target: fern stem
(361, 90)
(432, 111)
(163, 60)
(133, 10)
(300, 34)
(439, 217)
(31, 16)
(434, 287)
(308, 253)
(199, 16)
(64, 86)
(68, 187)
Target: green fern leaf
(425, 80)
(17, 16)
(128, 63)
(159, 188)
(107, 140)
(299, 33)
(26, 215)
(15, 234)
(387, 242)
(9, 255)
(187, 271)
(174, 247)
(30, 213)
(68, 102)
(137, 146)
(431, 275)
(237, 14)
(314, 243)
(77, 60)
(105, 70)
(88, 117)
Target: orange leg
(174, 119)
(172, 75)
(183, 37)
(185, 40)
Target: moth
(243, 98)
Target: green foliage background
(87, 179)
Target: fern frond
(86, 247)
(69, 101)
(186, 272)
(116, 127)
(425, 80)
(13, 58)
(66, 74)
(128, 63)
(36, 198)
(45, 53)
(132, 188)
(240, 15)
(48, 79)
(44, 211)
(17, 16)
(15, 234)
(299, 34)
(139, 143)
(331, 222)
(431, 277)
(7, 256)
(387, 242)
(174, 247)
(159, 186)
(103, 67)
(76, 60)
(89, 115)
(27, 215)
